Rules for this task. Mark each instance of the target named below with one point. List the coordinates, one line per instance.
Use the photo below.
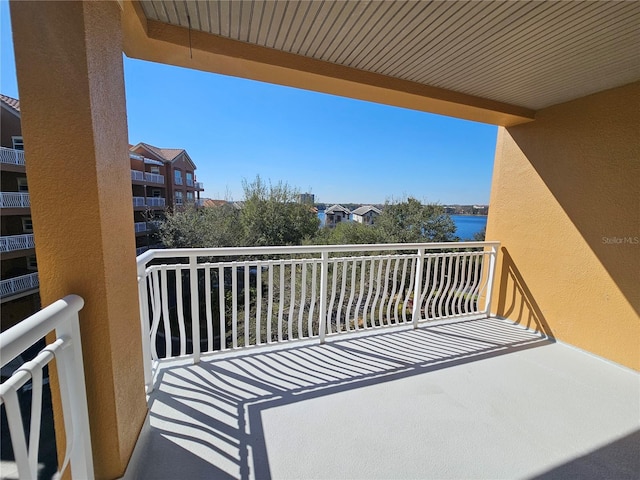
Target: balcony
(357, 362)
(199, 186)
(139, 202)
(14, 200)
(13, 243)
(155, 202)
(21, 284)
(154, 178)
(345, 362)
(147, 177)
(11, 156)
(140, 227)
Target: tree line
(271, 215)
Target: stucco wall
(565, 205)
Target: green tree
(348, 233)
(410, 221)
(193, 227)
(271, 215)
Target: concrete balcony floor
(464, 399)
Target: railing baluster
(334, 280)
(180, 311)
(342, 292)
(292, 301)
(385, 293)
(281, 303)
(415, 314)
(207, 306)
(348, 318)
(258, 303)
(234, 305)
(247, 305)
(303, 298)
(195, 308)
(410, 289)
(451, 286)
(490, 277)
(372, 263)
(270, 303)
(314, 293)
(222, 309)
(377, 295)
(324, 272)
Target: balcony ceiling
(524, 54)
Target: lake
(466, 225)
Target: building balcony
(147, 177)
(199, 186)
(155, 202)
(11, 156)
(15, 200)
(139, 201)
(12, 243)
(352, 362)
(17, 285)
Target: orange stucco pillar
(71, 82)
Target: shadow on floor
(205, 420)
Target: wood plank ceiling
(529, 54)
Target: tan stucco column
(70, 77)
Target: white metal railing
(60, 317)
(137, 175)
(11, 156)
(199, 185)
(207, 300)
(12, 243)
(19, 284)
(155, 202)
(154, 177)
(140, 227)
(138, 202)
(14, 200)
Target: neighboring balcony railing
(140, 227)
(138, 202)
(209, 300)
(137, 175)
(155, 202)
(153, 177)
(60, 317)
(14, 200)
(11, 156)
(23, 283)
(12, 243)
(199, 185)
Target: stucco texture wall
(565, 205)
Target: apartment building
(18, 268)
(160, 178)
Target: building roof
(210, 202)
(12, 104)
(167, 154)
(336, 208)
(365, 209)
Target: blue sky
(341, 150)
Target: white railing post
(74, 395)
(324, 274)
(417, 291)
(490, 277)
(195, 310)
(143, 298)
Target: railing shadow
(516, 302)
(206, 419)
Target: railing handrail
(11, 156)
(298, 249)
(23, 335)
(62, 318)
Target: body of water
(466, 225)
